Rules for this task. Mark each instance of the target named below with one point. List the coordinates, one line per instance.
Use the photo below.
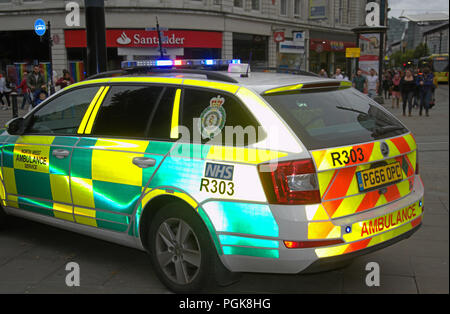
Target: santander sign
(140, 39)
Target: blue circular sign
(39, 27)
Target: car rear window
(331, 118)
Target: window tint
(63, 114)
(127, 111)
(335, 118)
(210, 115)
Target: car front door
(123, 144)
(35, 165)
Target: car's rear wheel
(181, 249)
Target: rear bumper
(364, 237)
(330, 263)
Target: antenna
(159, 39)
(248, 67)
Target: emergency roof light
(178, 63)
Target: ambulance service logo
(212, 120)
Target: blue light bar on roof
(164, 63)
(179, 62)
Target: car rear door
(125, 140)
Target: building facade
(436, 39)
(301, 34)
(418, 24)
(395, 31)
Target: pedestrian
(386, 84)
(36, 82)
(360, 81)
(323, 73)
(433, 93)
(4, 91)
(373, 84)
(40, 97)
(65, 80)
(408, 89)
(338, 75)
(23, 86)
(425, 84)
(396, 90)
(416, 94)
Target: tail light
(290, 183)
(311, 244)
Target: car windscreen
(332, 118)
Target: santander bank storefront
(127, 44)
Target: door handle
(144, 162)
(60, 153)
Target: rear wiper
(351, 109)
(386, 129)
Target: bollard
(15, 109)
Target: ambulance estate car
(216, 172)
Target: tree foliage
(398, 58)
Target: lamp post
(95, 36)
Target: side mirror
(16, 126)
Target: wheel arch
(153, 205)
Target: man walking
(372, 84)
(36, 82)
(338, 75)
(360, 81)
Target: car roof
(263, 81)
(258, 81)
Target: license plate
(376, 177)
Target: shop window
(256, 5)
(246, 45)
(297, 8)
(238, 3)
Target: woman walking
(396, 90)
(408, 89)
(387, 81)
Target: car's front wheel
(181, 250)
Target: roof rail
(286, 70)
(210, 75)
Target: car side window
(63, 114)
(219, 116)
(135, 112)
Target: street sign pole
(50, 45)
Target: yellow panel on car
(243, 155)
(214, 85)
(122, 145)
